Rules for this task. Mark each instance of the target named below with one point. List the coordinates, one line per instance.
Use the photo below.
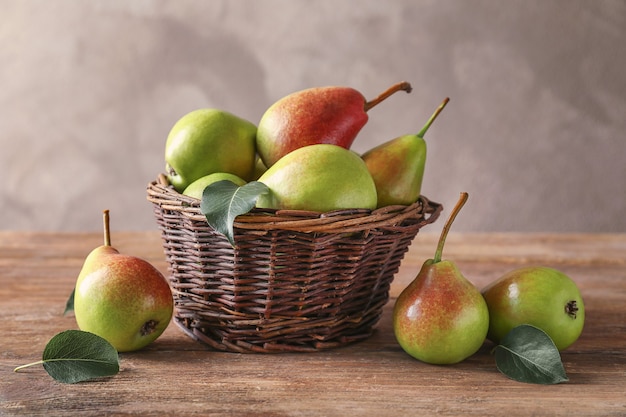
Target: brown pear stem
(446, 227)
(432, 118)
(107, 231)
(401, 86)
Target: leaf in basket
(224, 200)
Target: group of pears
(442, 318)
(300, 150)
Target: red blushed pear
(121, 298)
(441, 317)
(332, 115)
(397, 166)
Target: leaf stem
(19, 368)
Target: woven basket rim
(161, 193)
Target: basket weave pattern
(296, 280)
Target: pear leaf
(69, 304)
(223, 201)
(75, 356)
(528, 354)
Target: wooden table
(179, 377)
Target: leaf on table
(69, 304)
(75, 355)
(224, 200)
(528, 354)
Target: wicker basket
(296, 281)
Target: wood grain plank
(177, 376)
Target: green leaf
(224, 200)
(69, 304)
(528, 354)
(75, 355)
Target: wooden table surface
(179, 377)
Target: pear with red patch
(121, 298)
(441, 317)
(333, 115)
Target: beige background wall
(535, 129)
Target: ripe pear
(540, 296)
(121, 298)
(205, 141)
(441, 317)
(397, 166)
(320, 178)
(331, 114)
(196, 188)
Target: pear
(331, 114)
(205, 141)
(320, 177)
(397, 166)
(537, 295)
(121, 298)
(196, 188)
(441, 317)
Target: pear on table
(121, 298)
(397, 166)
(537, 295)
(332, 115)
(441, 317)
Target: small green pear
(121, 298)
(320, 177)
(540, 296)
(205, 141)
(441, 317)
(196, 188)
(397, 166)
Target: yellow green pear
(319, 177)
(205, 141)
(196, 188)
(397, 166)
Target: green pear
(320, 178)
(331, 114)
(540, 296)
(397, 166)
(121, 298)
(196, 188)
(441, 317)
(205, 141)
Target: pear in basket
(205, 141)
(320, 177)
(397, 166)
(331, 114)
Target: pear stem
(446, 227)
(401, 86)
(107, 230)
(432, 118)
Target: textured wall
(534, 130)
